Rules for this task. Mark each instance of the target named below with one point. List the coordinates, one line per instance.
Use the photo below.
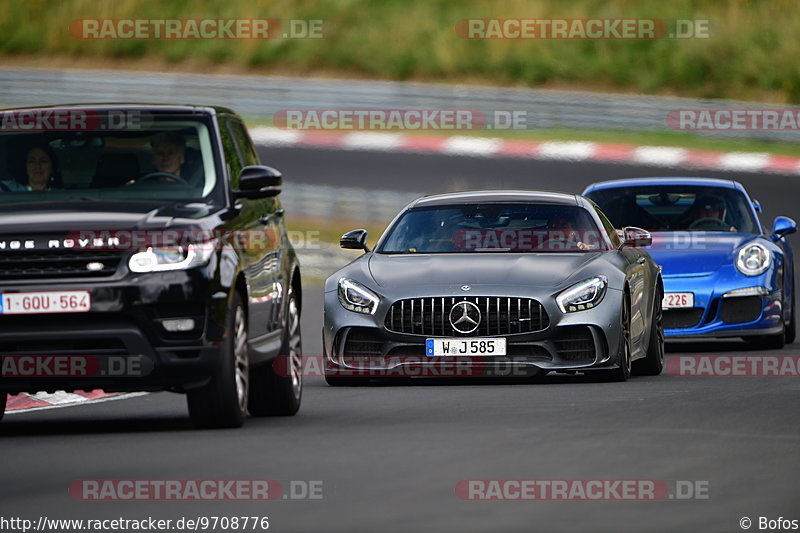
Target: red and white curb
(661, 156)
(43, 400)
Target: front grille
(499, 316)
(682, 318)
(575, 344)
(741, 309)
(57, 263)
(361, 341)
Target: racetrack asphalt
(390, 456)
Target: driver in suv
(168, 152)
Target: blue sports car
(723, 276)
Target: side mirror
(259, 181)
(636, 237)
(782, 227)
(355, 240)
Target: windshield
(163, 158)
(676, 208)
(477, 228)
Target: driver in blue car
(709, 211)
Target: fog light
(178, 324)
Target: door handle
(641, 260)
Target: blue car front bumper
(717, 312)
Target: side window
(243, 143)
(616, 242)
(232, 156)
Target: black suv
(143, 247)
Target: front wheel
(277, 387)
(623, 372)
(769, 342)
(653, 362)
(791, 329)
(222, 403)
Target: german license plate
(33, 303)
(471, 346)
(677, 300)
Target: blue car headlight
(583, 295)
(355, 297)
(753, 259)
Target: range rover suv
(143, 248)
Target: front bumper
(715, 315)
(122, 341)
(360, 345)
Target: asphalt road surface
(389, 457)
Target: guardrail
(259, 97)
(348, 203)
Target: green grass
(752, 53)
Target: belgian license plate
(471, 346)
(33, 303)
(677, 300)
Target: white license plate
(471, 346)
(677, 300)
(33, 303)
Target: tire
(623, 372)
(277, 387)
(3, 402)
(653, 362)
(769, 342)
(222, 403)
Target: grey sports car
(495, 283)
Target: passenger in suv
(156, 285)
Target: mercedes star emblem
(465, 317)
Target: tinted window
(476, 228)
(169, 157)
(244, 145)
(616, 241)
(672, 208)
(231, 151)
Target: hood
(538, 270)
(684, 253)
(66, 217)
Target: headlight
(355, 297)
(753, 259)
(584, 295)
(171, 258)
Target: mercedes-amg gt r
(529, 281)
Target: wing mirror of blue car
(782, 227)
(636, 237)
(259, 181)
(355, 240)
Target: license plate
(34, 303)
(471, 346)
(677, 300)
